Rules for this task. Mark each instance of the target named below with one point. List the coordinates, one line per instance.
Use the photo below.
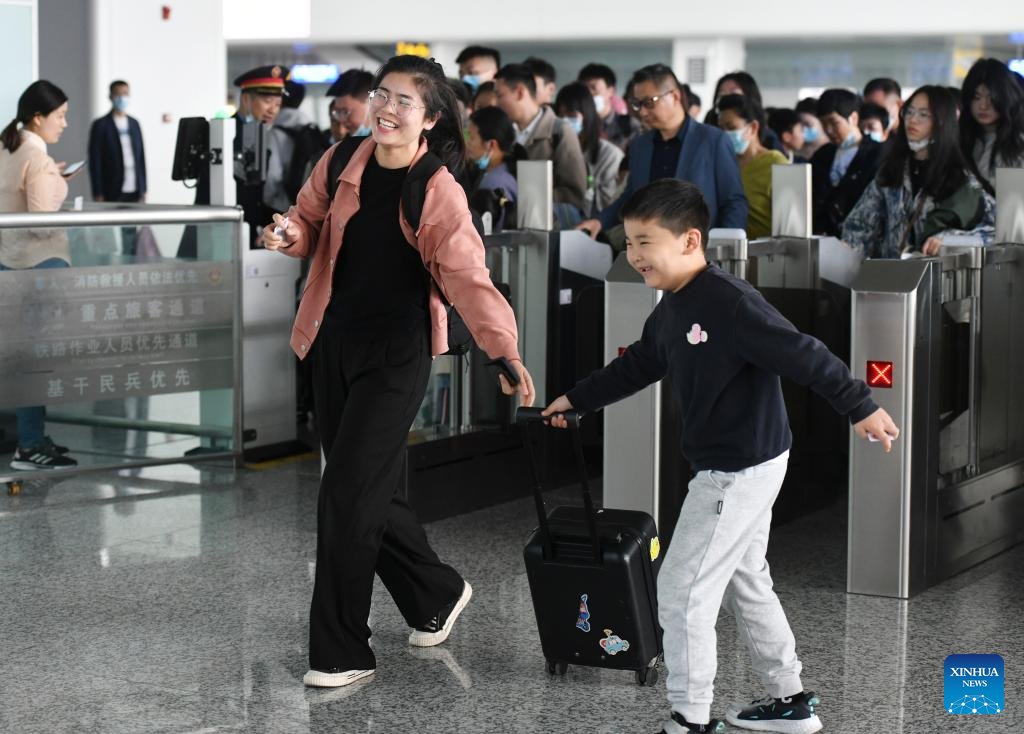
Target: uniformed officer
(259, 102)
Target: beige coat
(31, 182)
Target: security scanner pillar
(939, 342)
(807, 278)
(269, 285)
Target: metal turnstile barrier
(939, 341)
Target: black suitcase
(592, 578)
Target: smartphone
(71, 168)
(505, 367)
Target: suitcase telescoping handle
(524, 418)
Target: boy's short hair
(517, 74)
(676, 205)
(783, 120)
(597, 71)
(541, 68)
(841, 101)
(872, 111)
(478, 52)
(884, 85)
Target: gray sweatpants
(717, 556)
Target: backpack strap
(340, 158)
(414, 190)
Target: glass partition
(127, 354)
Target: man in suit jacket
(117, 159)
(677, 146)
(842, 169)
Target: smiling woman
(370, 320)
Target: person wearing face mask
(924, 190)
(575, 106)
(844, 167)
(545, 137)
(874, 122)
(738, 119)
(791, 132)
(814, 135)
(478, 64)
(117, 157)
(888, 94)
(348, 106)
(491, 147)
(741, 82)
(31, 181)
(677, 146)
(618, 129)
(992, 122)
(260, 102)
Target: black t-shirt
(918, 173)
(380, 286)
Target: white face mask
(918, 145)
(599, 103)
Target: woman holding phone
(31, 181)
(370, 320)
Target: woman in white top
(31, 181)
(992, 122)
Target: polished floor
(174, 599)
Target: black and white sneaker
(679, 724)
(437, 629)
(793, 715)
(333, 678)
(44, 456)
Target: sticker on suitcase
(655, 548)
(583, 620)
(613, 644)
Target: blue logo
(974, 684)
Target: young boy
(724, 348)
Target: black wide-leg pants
(367, 395)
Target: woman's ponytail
(39, 98)
(10, 137)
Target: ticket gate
(939, 342)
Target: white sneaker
(437, 630)
(335, 678)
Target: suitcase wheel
(557, 668)
(647, 676)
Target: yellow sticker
(655, 548)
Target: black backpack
(414, 191)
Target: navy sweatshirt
(724, 348)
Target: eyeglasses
(402, 107)
(909, 113)
(648, 103)
(340, 115)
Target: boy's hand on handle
(556, 409)
(289, 233)
(525, 388)
(879, 426)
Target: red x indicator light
(879, 374)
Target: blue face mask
(739, 143)
(361, 131)
(810, 134)
(876, 136)
(484, 161)
(851, 141)
(121, 103)
(576, 123)
(248, 118)
(473, 81)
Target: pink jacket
(446, 240)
